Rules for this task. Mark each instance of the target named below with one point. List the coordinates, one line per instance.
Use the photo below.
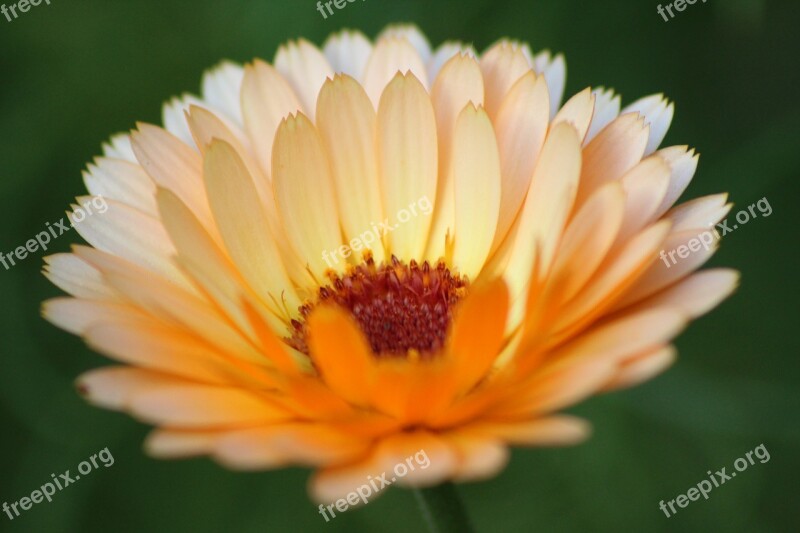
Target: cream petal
(77, 316)
(578, 112)
(502, 65)
(412, 34)
(554, 69)
(476, 178)
(392, 55)
(147, 344)
(613, 152)
(133, 236)
(306, 69)
(444, 53)
(267, 99)
(588, 238)
(76, 277)
(347, 125)
(645, 186)
(119, 147)
(664, 272)
(408, 161)
(348, 52)
(478, 458)
(559, 430)
(695, 295)
(459, 83)
(683, 163)
(286, 444)
(606, 109)
(304, 193)
(176, 444)
(642, 368)
(703, 212)
(245, 229)
(222, 88)
(123, 181)
(173, 116)
(188, 405)
(544, 213)
(210, 268)
(617, 273)
(171, 304)
(521, 124)
(174, 166)
(657, 112)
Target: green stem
(442, 509)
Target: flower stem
(442, 509)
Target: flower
(532, 283)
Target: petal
(606, 109)
(304, 193)
(502, 65)
(642, 368)
(244, 227)
(697, 294)
(645, 186)
(578, 112)
(683, 163)
(283, 445)
(407, 158)
(348, 52)
(554, 69)
(476, 179)
(459, 83)
(521, 125)
(341, 353)
(546, 207)
(123, 181)
(412, 34)
(478, 333)
(267, 99)
(306, 69)
(558, 430)
(392, 55)
(347, 125)
(615, 150)
(657, 112)
(588, 238)
(444, 53)
(76, 277)
(222, 87)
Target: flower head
(372, 249)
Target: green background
(75, 72)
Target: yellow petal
(244, 227)
(459, 83)
(304, 194)
(347, 125)
(476, 179)
(407, 158)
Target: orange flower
(277, 293)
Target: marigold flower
(531, 283)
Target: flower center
(399, 307)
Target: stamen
(399, 307)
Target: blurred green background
(75, 72)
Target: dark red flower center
(399, 307)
